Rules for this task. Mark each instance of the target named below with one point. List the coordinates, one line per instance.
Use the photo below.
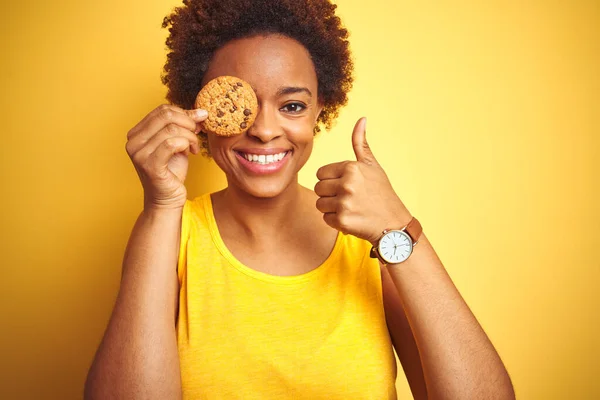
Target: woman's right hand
(159, 146)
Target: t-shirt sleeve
(183, 240)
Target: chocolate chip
(243, 125)
(239, 84)
(246, 118)
(220, 113)
(247, 112)
(233, 109)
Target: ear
(319, 109)
(317, 114)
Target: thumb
(359, 143)
(198, 115)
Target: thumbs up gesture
(356, 197)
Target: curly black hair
(200, 27)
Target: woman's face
(282, 74)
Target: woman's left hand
(356, 197)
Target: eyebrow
(292, 89)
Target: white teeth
(264, 159)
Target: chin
(265, 189)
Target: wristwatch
(396, 245)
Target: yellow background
(484, 114)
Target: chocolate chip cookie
(231, 104)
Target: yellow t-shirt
(244, 334)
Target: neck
(257, 216)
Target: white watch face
(395, 246)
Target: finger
(168, 131)
(164, 115)
(165, 111)
(327, 204)
(359, 143)
(330, 219)
(327, 187)
(142, 125)
(332, 171)
(166, 150)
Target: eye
(293, 108)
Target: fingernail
(199, 113)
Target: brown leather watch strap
(414, 229)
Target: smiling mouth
(264, 159)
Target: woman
(266, 289)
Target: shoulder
(198, 205)
(359, 250)
(197, 212)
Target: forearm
(138, 355)
(458, 359)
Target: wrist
(397, 222)
(154, 205)
(174, 201)
(158, 212)
(396, 243)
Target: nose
(265, 127)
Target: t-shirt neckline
(263, 276)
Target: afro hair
(200, 27)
